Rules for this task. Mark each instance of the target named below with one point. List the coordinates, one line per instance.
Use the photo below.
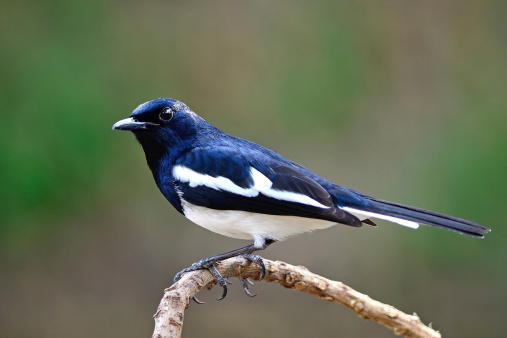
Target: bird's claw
(246, 285)
(220, 280)
(258, 260)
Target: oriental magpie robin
(240, 189)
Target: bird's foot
(208, 263)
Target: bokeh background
(404, 100)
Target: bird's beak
(131, 124)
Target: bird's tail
(411, 217)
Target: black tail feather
(425, 217)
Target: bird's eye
(166, 114)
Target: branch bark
(170, 312)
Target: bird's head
(162, 125)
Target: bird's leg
(208, 263)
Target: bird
(240, 189)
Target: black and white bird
(243, 190)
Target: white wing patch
(292, 197)
(357, 212)
(262, 185)
(195, 179)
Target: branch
(169, 316)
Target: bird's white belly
(249, 225)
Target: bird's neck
(162, 173)
(161, 160)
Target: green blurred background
(403, 100)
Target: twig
(170, 312)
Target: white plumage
(249, 225)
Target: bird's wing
(223, 178)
